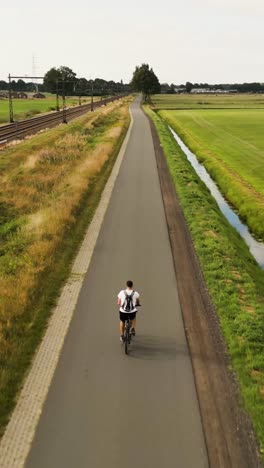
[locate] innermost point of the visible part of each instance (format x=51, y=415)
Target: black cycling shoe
x=133, y=331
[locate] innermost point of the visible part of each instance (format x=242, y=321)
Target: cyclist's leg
x=134, y=321
x=122, y=323
x=121, y=327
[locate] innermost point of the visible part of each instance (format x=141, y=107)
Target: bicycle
x=127, y=334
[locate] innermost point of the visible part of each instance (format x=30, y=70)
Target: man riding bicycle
x=128, y=300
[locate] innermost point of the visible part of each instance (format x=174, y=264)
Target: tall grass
x=234, y=280
x=50, y=187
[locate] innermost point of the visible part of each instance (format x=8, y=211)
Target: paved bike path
x=104, y=408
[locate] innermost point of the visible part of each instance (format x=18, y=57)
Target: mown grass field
x=234, y=280
x=230, y=144
x=50, y=187
x=25, y=108
x=207, y=101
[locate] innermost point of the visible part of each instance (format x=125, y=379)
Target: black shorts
x=125, y=315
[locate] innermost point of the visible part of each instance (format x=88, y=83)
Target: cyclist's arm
x=119, y=299
x=137, y=300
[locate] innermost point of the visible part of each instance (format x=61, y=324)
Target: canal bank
x=256, y=247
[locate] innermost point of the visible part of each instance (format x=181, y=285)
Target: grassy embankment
x=26, y=108
x=230, y=144
x=50, y=187
x=208, y=101
x=234, y=280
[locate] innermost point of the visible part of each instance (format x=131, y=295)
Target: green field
x=210, y=101
x=233, y=279
x=230, y=144
x=24, y=108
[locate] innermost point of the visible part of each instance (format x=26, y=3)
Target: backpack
x=128, y=304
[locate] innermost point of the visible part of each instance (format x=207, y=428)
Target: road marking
x=16, y=442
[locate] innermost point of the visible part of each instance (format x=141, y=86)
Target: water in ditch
x=256, y=248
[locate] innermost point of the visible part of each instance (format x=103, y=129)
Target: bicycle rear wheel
x=126, y=343
x=127, y=327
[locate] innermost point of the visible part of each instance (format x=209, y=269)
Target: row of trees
x=64, y=79
x=144, y=80
x=239, y=87
x=20, y=85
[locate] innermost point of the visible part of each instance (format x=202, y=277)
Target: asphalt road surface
x=105, y=409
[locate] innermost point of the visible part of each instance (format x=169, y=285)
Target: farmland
x=25, y=108
x=208, y=101
x=230, y=143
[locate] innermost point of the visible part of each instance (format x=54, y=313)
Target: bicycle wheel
x=126, y=343
x=126, y=337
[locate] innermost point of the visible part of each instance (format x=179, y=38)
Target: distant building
x=19, y=95
x=179, y=90
x=202, y=91
x=212, y=91
x=39, y=96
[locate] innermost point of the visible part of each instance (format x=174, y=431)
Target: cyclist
x=128, y=300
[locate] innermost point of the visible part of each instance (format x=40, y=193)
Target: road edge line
x=19, y=433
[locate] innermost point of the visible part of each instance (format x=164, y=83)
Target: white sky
x=191, y=40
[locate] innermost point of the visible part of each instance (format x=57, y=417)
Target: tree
x=189, y=87
x=51, y=78
x=21, y=85
x=3, y=85
x=145, y=81
x=60, y=74
x=70, y=79
x=82, y=86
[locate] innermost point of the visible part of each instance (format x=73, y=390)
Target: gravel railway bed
x=20, y=129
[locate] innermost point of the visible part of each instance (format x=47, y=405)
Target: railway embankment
x=50, y=187
x=22, y=128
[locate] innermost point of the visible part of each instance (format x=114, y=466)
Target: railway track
x=20, y=129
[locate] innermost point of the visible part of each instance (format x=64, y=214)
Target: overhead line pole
x=64, y=119
x=57, y=97
x=11, y=113
x=92, y=102
x=11, y=110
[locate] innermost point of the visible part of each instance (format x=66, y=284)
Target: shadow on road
x=156, y=348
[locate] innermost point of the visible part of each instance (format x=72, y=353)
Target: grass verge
x=51, y=187
x=234, y=280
